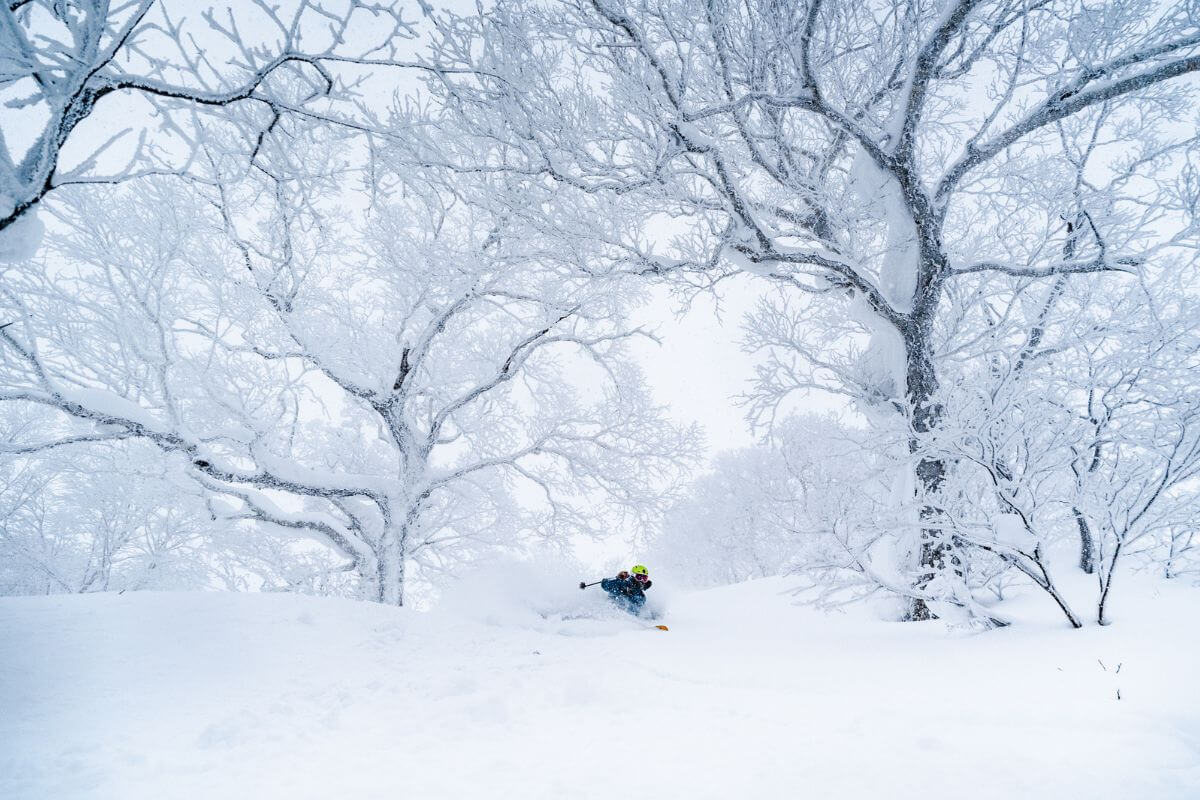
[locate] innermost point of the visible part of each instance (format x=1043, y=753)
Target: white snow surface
x=208, y=695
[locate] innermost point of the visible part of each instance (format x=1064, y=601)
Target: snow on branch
x=1099, y=264
x=90, y=51
x=258, y=507
x=28, y=448
x=1091, y=87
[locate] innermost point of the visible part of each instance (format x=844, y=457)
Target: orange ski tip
x=662, y=627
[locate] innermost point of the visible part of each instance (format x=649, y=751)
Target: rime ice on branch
x=64, y=62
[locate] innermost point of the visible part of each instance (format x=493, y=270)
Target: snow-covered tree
x=736, y=523
x=1179, y=552
x=1136, y=466
x=407, y=383
x=100, y=92
x=1076, y=430
x=1010, y=447
x=879, y=161
x=813, y=500
x=86, y=518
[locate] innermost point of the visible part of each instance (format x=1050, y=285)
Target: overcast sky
x=699, y=367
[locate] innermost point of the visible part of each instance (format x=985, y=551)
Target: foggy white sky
x=699, y=367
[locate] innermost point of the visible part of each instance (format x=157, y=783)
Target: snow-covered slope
x=268, y=696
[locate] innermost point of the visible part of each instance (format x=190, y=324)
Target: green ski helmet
x=640, y=570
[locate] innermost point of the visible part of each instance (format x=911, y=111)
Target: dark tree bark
x=1087, y=551
x=927, y=415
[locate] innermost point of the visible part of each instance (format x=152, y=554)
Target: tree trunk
x=931, y=472
x=1087, y=548
x=1074, y=621
x=932, y=559
x=1047, y=583
x=1174, y=550
x=390, y=570
x=1105, y=572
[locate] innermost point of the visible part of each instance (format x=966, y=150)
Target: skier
x=629, y=591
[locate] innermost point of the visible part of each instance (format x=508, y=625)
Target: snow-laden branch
x=1101, y=263
x=258, y=507
x=107, y=409
x=506, y=372
x=29, y=448
x=77, y=54
x=1091, y=87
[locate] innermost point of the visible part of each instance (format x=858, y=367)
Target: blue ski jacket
x=627, y=591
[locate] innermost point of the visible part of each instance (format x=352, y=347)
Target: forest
x=339, y=297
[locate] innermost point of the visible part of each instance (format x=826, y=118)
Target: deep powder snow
x=273, y=696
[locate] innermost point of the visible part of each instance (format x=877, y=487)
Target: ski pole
x=583, y=585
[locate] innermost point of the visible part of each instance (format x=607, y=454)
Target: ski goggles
x=641, y=578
